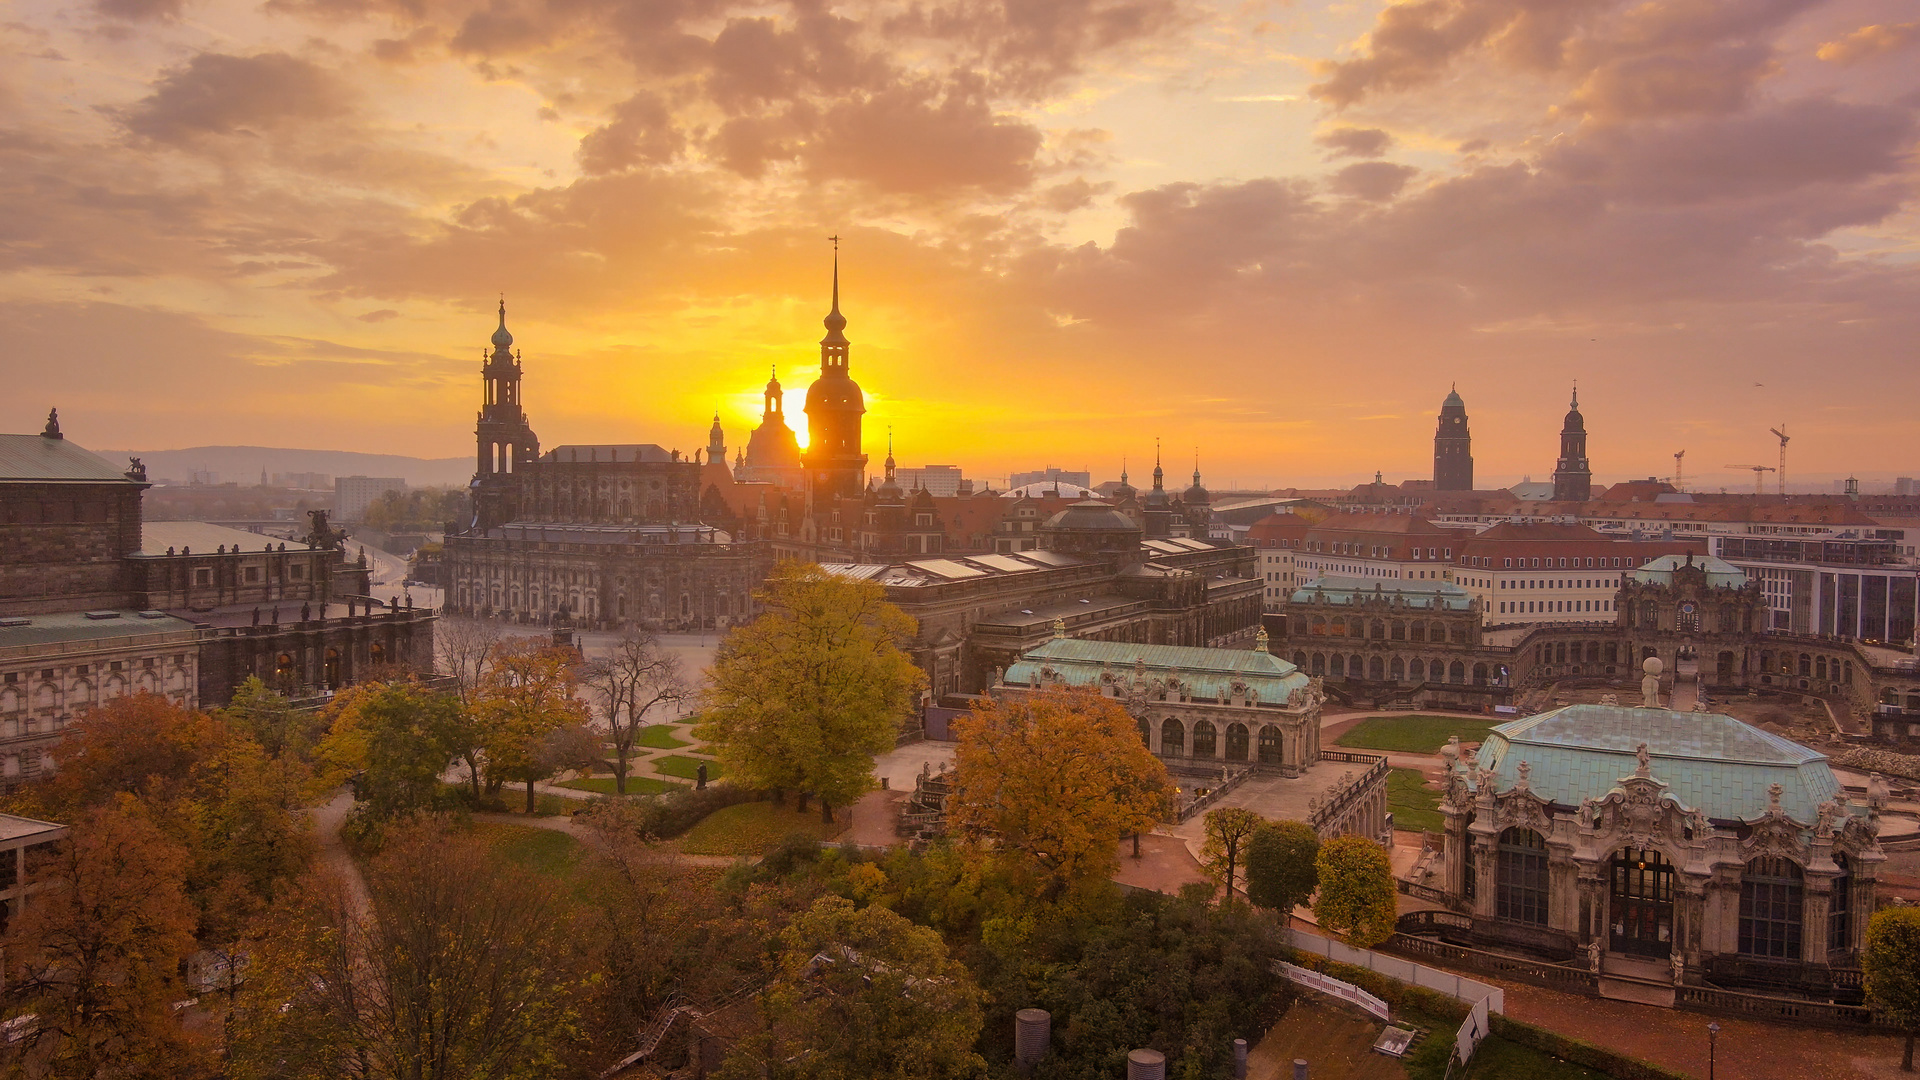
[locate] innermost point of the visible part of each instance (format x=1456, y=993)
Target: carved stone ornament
x=1645, y=759
x=1774, y=834
x=1638, y=809
x=1774, y=809
x=1522, y=783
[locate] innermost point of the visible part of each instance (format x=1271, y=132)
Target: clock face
x=1687, y=608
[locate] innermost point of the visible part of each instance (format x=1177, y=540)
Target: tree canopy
x=1052, y=781
x=1891, y=964
x=1228, y=830
x=806, y=695
x=862, y=992
x=1356, y=893
x=527, y=695
x=1281, y=870
x=634, y=677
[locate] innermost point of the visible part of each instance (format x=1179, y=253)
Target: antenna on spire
x=1576, y=395
x=836, y=270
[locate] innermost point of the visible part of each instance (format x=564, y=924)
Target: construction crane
x=1781, y=434
x=1679, y=476
x=1758, y=479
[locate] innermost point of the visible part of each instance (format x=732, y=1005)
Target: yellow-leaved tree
x=804, y=696
x=528, y=693
x=1050, y=783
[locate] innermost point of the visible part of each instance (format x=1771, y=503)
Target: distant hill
x=242, y=464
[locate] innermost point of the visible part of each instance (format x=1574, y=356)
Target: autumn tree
x=1356, y=896
x=268, y=718
x=1281, y=871
x=95, y=952
x=807, y=694
x=528, y=693
x=1051, y=782
x=460, y=969
x=462, y=649
x=635, y=677
x=862, y=992
x=391, y=742
x=1891, y=964
x=1228, y=830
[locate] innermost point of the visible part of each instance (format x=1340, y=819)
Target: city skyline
x=288, y=225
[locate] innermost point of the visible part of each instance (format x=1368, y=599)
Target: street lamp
x=1713, y=1039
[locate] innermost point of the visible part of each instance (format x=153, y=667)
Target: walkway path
x=327, y=819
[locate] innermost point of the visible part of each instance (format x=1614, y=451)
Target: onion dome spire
x=501, y=338
x=835, y=322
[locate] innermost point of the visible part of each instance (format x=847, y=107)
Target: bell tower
x=835, y=465
x=1453, y=447
x=505, y=441
x=1572, y=477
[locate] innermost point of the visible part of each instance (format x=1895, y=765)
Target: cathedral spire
x=835, y=322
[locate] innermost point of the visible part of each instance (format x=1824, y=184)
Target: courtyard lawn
x=544, y=851
x=636, y=785
x=1415, y=808
x=754, y=829
x=660, y=737
x=684, y=767
x=1415, y=733
x=1498, y=1059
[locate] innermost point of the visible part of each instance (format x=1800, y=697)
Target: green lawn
x=1415, y=808
x=660, y=737
x=1414, y=733
x=753, y=829
x=636, y=785
x=1497, y=1059
x=543, y=851
x=683, y=767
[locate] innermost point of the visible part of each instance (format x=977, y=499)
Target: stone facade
x=1709, y=846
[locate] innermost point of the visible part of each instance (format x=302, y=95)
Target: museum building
x=1726, y=854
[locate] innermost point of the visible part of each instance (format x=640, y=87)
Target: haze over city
x=288, y=224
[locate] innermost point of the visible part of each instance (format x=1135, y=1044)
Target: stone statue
x=1650, y=686
x=1645, y=759
x=1523, y=769
x=256, y=616
x=1774, y=791
x=1587, y=812
x=1877, y=794
x=1679, y=968
x=1593, y=956
x=306, y=613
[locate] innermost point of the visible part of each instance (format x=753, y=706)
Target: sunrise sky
x=1277, y=231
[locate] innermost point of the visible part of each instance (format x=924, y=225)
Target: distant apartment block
x=304, y=481
x=353, y=494
x=1049, y=475
x=941, y=481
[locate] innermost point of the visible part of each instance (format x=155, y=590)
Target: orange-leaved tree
x=528, y=693
x=1051, y=782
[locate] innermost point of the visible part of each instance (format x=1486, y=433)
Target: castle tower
x=505, y=440
x=834, y=407
x=1572, y=478
x=1453, y=447
x=716, y=442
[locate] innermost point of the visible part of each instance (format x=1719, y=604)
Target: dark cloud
x=1375, y=181
x=1354, y=142
x=641, y=132
x=140, y=10
x=218, y=94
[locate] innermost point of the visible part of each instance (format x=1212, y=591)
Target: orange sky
x=1275, y=231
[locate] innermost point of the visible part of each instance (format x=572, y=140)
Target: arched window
x=1770, y=901
x=1320, y=625
x=1479, y=674
x=1236, y=742
x=1399, y=669
x=1376, y=668
x=1146, y=733
x=1520, y=883
x=1270, y=745
x=1300, y=660
x=1339, y=668
x=1457, y=673
x=1417, y=632
x=1378, y=631
x=1398, y=632
x=1416, y=670
x=1203, y=741
x=1173, y=737
x=1319, y=663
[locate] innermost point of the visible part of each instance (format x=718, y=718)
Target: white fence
x=1327, y=984
x=1458, y=987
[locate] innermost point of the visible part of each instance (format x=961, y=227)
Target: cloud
x=140, y=10
x=219, y=94
x=641, y=133
x=379, y=316
x=1354, y=142
x=1869, y=42
x=1375, y=181
x=922, y=139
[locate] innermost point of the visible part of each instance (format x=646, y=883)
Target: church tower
x=1572, y=479
x=1156, y=510
x=1453, y=447
x=506, y=441
x=834, y=407
x=716, y=442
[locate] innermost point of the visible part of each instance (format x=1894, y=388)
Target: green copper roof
x=1206, y=673
x=1712, y=763
x=1720, y=573
x=1431, y=595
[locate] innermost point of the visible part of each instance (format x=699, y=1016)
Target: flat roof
x=16, y=630
x=14, y=827
x=203, y=538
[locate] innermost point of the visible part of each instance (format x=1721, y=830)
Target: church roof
x=1720, y=573
x=43, y=460
x=1712, y=763
x=1091, y=515
x=1206, y=673
x=1432, y=595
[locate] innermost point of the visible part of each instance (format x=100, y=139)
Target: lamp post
x=1713, y=1039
